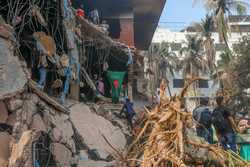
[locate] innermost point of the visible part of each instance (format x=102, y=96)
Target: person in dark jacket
x=203, y=117
x=129, y=112
x=224, y=125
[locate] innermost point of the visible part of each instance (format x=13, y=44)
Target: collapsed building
x=35, y=129
x=38, y=41
x=54, y=28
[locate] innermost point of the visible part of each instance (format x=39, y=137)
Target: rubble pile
x=111, y=113
x=101, y=135
x=34, y=128
x=167, y=138
x=29, y=115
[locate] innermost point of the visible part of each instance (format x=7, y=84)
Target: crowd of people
x=219, y=123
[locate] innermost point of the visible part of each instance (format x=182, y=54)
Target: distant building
x=240, y=25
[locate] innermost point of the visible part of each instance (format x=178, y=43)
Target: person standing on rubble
x=94, y=16
x=42, y=66
x=129, y=112
x=203, y=117
x=66, y=73
x=224, y=125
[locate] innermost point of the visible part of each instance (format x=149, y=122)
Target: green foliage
x=243, y=47
x=193, y=61
x=225, y=58
x=242, y=62
x=207, y=26
x=239, y=71
x=220, y=9
x=161, y=52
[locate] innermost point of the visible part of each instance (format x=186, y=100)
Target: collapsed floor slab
x=92, y=127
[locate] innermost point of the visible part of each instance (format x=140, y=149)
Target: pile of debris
x=103, y=133
x=167, y=138
x=35, y=129
x=25, y=119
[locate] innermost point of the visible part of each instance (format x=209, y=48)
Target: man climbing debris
x=46, y=48
x=203, y=116
x=129, y=112
x=66, y=73
x=42, y=66
x=94, y=16
x=224, y=125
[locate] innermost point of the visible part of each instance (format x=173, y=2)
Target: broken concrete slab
x=14, y=104
x=5, y=140
x=92, y=127
x=21, y=153
x=38, y=124
x=63, y=130
x=3, y=112
x=56, y=134
x=12, y=76
x=62, y=155
x=3, y=162
x=11, y=119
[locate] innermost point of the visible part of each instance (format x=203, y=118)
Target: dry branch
x=163, y=140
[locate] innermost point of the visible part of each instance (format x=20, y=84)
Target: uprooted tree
x=168, y=139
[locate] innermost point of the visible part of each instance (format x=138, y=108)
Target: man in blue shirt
x=129, y=112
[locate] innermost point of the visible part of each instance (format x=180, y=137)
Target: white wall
x=165, y=35
x=201, y=92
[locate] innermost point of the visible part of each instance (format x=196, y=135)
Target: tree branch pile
x=165, y=139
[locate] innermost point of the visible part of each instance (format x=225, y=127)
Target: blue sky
x=180, y=13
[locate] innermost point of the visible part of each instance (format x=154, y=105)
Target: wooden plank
x=33, y=86
x=88, y=79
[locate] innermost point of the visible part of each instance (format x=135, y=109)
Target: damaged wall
x=12, y=77
x=28, y=114
x=31, y=113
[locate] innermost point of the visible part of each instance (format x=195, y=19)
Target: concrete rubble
x=26, y=116
x=12, y=76
x=36, y=130
x=36, y=116
x=29, y=117
x=93, y=127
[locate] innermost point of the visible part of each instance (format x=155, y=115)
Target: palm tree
x=206, y=27
x=220, y=9
x=225, y=58
x=167, y=60
x=193, y=61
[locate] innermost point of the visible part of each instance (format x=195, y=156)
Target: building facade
x=132, y=22
x=240, y=26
